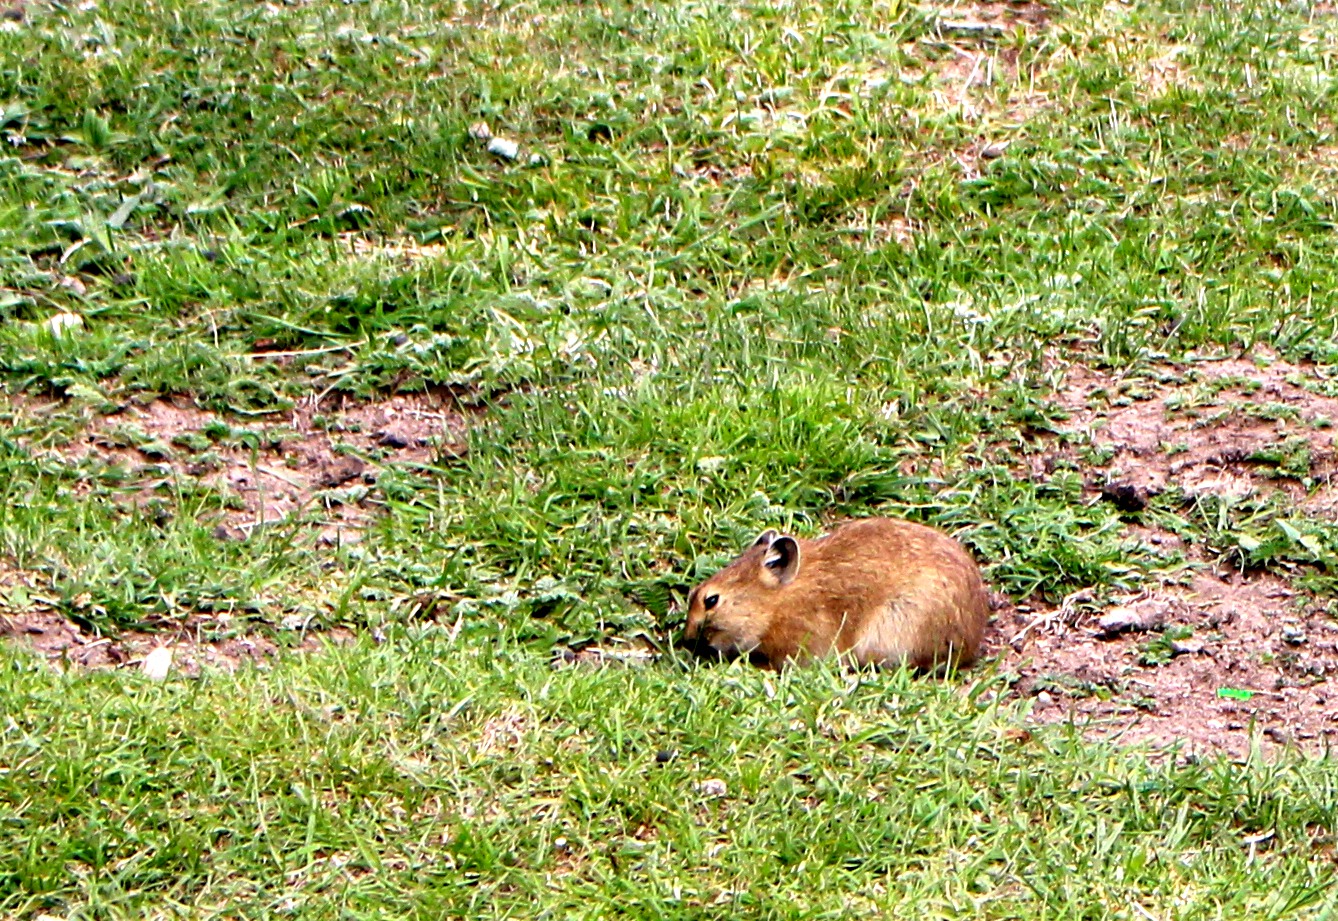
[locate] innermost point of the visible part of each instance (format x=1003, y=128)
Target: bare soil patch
x=1230, y=658
x=991, y=16
x=1259, y=664
x=1230, y=428
x=1159, y=74
x=200, y=642
x=316, y=467
x=193, y=648
x=987, y=85
x=976, y=70
x=318, y=463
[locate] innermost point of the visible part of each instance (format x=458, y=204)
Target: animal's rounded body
x=879, y=590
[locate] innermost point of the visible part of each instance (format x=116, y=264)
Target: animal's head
x=730, y=612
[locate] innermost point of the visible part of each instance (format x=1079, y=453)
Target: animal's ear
x=765, y=538
x=782, y=560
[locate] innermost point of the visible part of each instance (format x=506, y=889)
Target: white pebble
x=715, y=787
x=501, y=147
x=62, y=323
x=158, y=663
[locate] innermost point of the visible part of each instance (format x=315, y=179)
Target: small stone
x=969, y=27
x=994, y=151
x=1125, y=496
x=340, y=472
x=1187, y=647
x=1292, y=634
x=1124, y=619
x=714, y=787
x=392, y=438
x=480, y=131
x=664, y=756
x=158, y=663
x=1044, y=699
x=62, y=323
x=501, y=147
x=562, y=846
x=337, y=537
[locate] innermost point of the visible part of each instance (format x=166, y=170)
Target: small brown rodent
x=879, y=590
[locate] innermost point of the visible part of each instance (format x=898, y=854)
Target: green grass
x=412, y=780
x=755, y=275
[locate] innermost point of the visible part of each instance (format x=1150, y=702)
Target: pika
x=879, y=590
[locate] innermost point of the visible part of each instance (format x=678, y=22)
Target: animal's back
x=885, y=591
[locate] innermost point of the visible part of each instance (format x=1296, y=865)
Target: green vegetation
x=758, y=264
x=412, y=780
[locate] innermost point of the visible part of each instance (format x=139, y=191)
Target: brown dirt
x=992, y=16
x=1164, y=71
x=1249, y=634
x=319, y=463
x=316, y=466
x=194, y=647
x=1230, y=428
x=974, y=72
x=201, y=641
x=1198, y=429
x=988, y=87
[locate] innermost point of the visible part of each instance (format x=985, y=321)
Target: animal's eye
x=710, y=601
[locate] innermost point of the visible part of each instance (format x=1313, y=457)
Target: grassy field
x=755, y=265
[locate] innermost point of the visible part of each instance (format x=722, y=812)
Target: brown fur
x=881, y=590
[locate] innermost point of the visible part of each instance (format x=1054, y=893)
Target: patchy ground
x=317, y=466
x=1230, y=654
x=1212, y=661
x=1205, y=666
x=319, y=463
x=202, y=643
x=1231, y=429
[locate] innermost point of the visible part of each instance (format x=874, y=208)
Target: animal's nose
x=709, y=644
x=696, y=627
x=695, y=640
